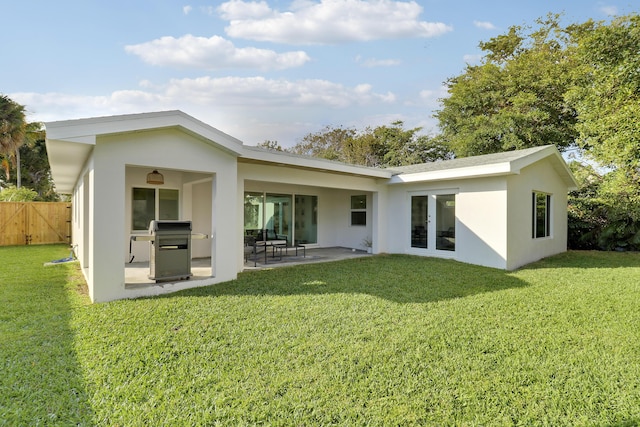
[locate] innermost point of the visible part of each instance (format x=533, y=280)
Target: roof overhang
x=255, y=155
x=70, y=142
x=457, y=173
x=509, y=167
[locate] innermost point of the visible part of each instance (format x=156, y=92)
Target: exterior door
x=433, y=222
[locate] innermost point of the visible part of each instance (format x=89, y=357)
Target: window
x=359, y=210
x=145, y=209
x=541, y=224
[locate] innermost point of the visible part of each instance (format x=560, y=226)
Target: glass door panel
x=419, y=221
x=306, y=219
x=279, y=216
x=253, y=213
x=445, y=222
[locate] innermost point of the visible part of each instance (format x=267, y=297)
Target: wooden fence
x=34, y=223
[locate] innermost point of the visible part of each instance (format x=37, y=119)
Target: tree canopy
x=382, y=146
x=12, y=131
x=575, y=87
x=515, y=98
x=23, y=155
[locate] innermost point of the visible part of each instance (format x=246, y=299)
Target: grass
x=379, y=341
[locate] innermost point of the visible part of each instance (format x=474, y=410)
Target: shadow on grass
x=399, y=278
x=41, y=381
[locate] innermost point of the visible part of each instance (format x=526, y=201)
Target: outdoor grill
x=170, y=250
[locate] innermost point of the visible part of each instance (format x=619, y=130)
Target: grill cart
x=170, y=250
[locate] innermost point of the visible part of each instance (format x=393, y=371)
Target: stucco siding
x=481, y=209
x=481, y=222
x=179, y=156
x=522, y=247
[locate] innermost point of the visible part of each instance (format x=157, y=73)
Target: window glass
x=541, y=224
x=359, y=202
x=419, y=221
x=306, y=219
x=169, y=206
x=278, y=218
x=358, y=218
x=144, y=207
x=446, y=222
x=359, y=210
x=253, y=213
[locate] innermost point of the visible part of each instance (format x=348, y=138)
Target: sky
x=257, y=70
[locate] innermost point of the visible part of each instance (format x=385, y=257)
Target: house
x=500, y=210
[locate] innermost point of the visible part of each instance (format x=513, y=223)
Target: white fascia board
x=449, y=174
x=76, y=130
x=279, y=158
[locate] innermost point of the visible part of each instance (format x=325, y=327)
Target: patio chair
x=250, y=248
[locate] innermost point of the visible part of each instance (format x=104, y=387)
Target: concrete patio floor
x=136, y=273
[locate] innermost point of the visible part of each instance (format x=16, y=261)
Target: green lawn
x=377, y=341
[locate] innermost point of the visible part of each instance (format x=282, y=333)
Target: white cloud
x=259, y=91
x=472, y=59
x=485, y=25
x=328, y=22
x=239, y=10
x=609, y=10
x=187, y=9
x=252, y=109
x=212, y=53
x=373, y=62
x=428, y=98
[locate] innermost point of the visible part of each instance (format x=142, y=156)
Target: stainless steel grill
x=170, y=250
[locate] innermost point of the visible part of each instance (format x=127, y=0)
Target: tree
x=34, y=164
x=515, y=98
x=607, y=94
x=327, y=143
x=12, y=131
x=14, y=194
x=574, y=86
x=383, y=146
x=606, y=97
x=270, y=145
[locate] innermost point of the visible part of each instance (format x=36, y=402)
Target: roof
x=70, y=142
x=506, y=163
x=282, y=158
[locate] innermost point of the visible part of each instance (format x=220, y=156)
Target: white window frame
x=156, y=205
x=353, y=210
x=548, y=204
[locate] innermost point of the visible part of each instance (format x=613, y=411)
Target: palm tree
x=12, y=131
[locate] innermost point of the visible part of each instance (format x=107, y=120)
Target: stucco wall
x=522, y=247
x=168, y=150
x=481, y=223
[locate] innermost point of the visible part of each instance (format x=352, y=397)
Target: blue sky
x=257, y=70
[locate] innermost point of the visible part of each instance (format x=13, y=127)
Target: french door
x=433, y=221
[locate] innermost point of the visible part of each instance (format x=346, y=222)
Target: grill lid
x=166, y=225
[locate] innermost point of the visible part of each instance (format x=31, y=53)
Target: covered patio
x=137, y=273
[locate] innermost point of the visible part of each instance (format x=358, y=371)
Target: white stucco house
x=500, y=210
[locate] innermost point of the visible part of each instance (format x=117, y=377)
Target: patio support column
x=379, y=220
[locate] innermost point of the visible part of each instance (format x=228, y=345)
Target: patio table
x=276, y=246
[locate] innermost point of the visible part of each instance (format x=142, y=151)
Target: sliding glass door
x=306, y=219
x=278, y=216
x=433, y=221
x=281, y=217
